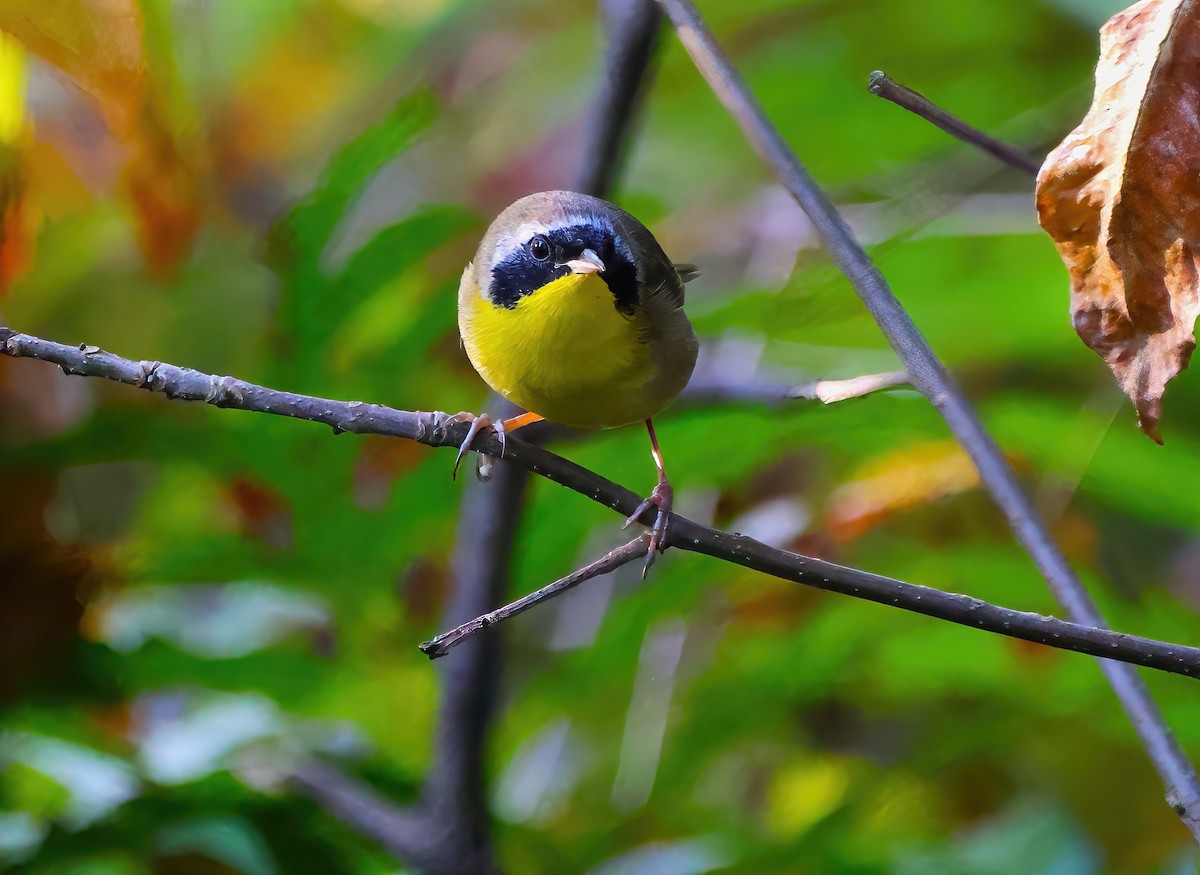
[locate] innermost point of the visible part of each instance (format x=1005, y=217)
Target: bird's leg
x=501, y=427
x=662, y=498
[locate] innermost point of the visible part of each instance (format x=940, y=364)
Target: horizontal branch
x=884, y=86
x=441, y=430
x=704, y=390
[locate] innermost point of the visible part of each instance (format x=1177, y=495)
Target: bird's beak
x=587, y=262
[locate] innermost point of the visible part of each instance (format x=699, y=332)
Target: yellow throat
x=564, y=351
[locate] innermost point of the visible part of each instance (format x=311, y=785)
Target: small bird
x=572, y=311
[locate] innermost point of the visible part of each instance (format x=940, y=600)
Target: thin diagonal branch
x=438, y=429
x=614, y=559
x=953, y=607
x=884, y=86
x=930, y=377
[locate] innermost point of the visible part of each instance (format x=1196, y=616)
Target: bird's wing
x=662, y=280
x=687, y=272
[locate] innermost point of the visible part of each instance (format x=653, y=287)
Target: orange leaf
x=1121, y=199
x=899, y=480
x=99, y=45
x=17, y=231
x=260, y=511
x=162, y=190
x=16, y=239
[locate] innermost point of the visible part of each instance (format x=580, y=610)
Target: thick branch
x=882, y=85
x=633, y=28
x=440, y=430
x=454, y=796
x=930, y=377
x=405, y=834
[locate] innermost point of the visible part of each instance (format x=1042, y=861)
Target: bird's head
x=546, y=237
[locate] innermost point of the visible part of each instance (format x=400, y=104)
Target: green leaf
x=396, y=248
x=311, y=223
x=299, y=241
x=230, y=841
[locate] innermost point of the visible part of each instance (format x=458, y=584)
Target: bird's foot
x=663, y=497
x=484, y=468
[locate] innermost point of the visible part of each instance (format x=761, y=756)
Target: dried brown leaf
x=1121, y=198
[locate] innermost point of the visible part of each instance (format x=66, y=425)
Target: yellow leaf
x=16, y=231
x=803, y=793
x=13, y=122
x=901, y=479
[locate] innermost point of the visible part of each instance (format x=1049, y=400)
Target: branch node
x=433, y=649
x=147, y=372
x=1175, y=802
x=223, y=392
x=431, y=427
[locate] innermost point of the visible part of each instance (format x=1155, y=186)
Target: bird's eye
x=539, y=248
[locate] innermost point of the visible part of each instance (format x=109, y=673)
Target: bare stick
x=441, y=430
x=831, y=391
x=882, y=85
x=447, y=641
x=930, y=377
x=705, y=390
x=702, y=390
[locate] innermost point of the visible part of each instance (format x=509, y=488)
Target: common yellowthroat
x=572, y=311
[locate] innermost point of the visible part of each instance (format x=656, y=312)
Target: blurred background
x=193, y=600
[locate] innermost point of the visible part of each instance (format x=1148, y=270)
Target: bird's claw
x=663, y=497
x=484, y=469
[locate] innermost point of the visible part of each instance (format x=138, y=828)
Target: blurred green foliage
x=191, y=594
